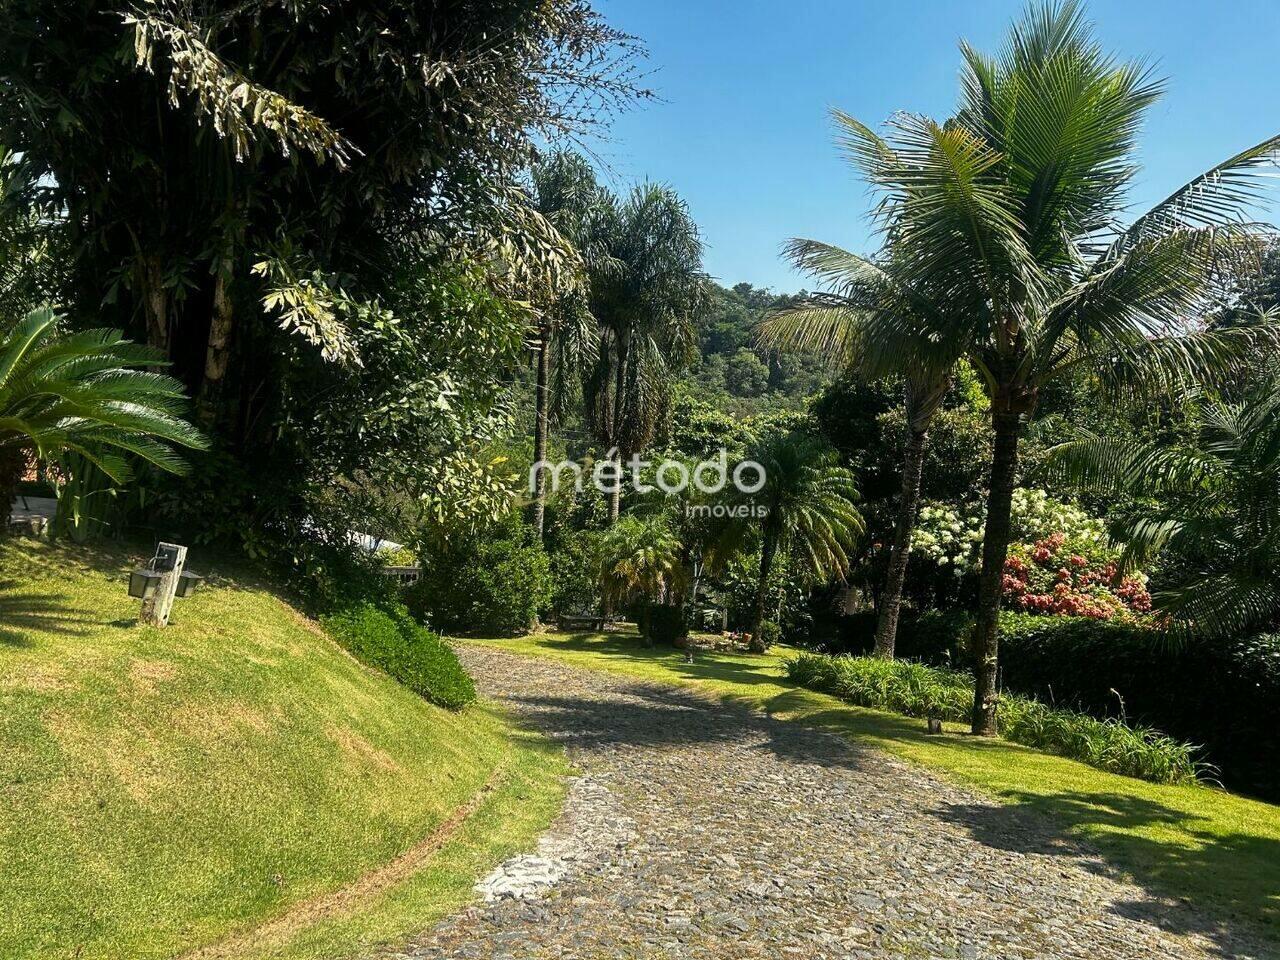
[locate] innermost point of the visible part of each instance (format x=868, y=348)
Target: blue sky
x=743, y=132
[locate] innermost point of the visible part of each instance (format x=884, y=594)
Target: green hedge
x=1220, y=695
x=1223, y=695
x=395, y=644
x=921, y=691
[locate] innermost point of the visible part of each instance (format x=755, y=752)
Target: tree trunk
x=619, y=402
x=156, y=303
x=767, y=551
x=891, y=601
x=218, y=352
x=13, y=463
x=995, y=547
x=540, y=422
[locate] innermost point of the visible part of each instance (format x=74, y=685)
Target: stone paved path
x=700, y=830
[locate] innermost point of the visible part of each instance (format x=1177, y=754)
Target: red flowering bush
x=1048, y=577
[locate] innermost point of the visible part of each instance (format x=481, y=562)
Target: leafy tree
x=810, y=516
x=745, y=374
x=1008, y=248
x=261, y=190
x=85, y=393
x=1210, y=509
x=644, y=303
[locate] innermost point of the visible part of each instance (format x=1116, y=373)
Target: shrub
x=575, y=574
x=664, y=624
x=1051, y=577
x=392, y=642
x=1060, y=560
x=938, y=637
x=921, y=691
x=1218, y=694
x=496, y=582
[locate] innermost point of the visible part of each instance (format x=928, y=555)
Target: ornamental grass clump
x=917, y=690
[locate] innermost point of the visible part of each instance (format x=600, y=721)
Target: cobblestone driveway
x=700, y=830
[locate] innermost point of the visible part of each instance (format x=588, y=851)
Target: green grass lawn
x=1200, y=844
x=167, y=790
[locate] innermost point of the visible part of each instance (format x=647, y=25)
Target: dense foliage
x=392, y=642
x=495, y=581
x=921, y=691
x=313, y=212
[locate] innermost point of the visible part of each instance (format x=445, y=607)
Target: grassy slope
x=160, y=790
x=1216, y=849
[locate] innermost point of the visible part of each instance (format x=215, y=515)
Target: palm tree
x=831, y=324
x=1005, y=224
x=644, y=303
x=641, y=560
x=1212, y=509
x=809, y=513
x=83, y=393
x=564, y=191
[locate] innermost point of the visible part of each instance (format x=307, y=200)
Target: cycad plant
x=1210, y=509
x=1006, y=231
x=641, y=562
x=809, y=514
x=86, y=393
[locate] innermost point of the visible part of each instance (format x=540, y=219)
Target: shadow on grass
x=1238, y=867
x=24, y=612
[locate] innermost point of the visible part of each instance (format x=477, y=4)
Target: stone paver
x=700, y=830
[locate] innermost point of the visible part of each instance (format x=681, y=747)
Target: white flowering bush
x=951, y=536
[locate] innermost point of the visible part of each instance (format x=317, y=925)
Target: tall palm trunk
x=995, y=548
x=922, y=397
x=542, y=395
x=891, y=603
x=767, y=551
x=619, y=403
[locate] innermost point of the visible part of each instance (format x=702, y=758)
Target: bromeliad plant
x=87, y=393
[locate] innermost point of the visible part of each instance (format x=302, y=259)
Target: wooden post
x=170, y=559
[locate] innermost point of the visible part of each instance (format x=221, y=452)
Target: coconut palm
x=810, y=517
x=84, y=393
x=644, y=303
x=1212, y=508
x=831, y=324
x=564, y=191
x=1005, y=228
